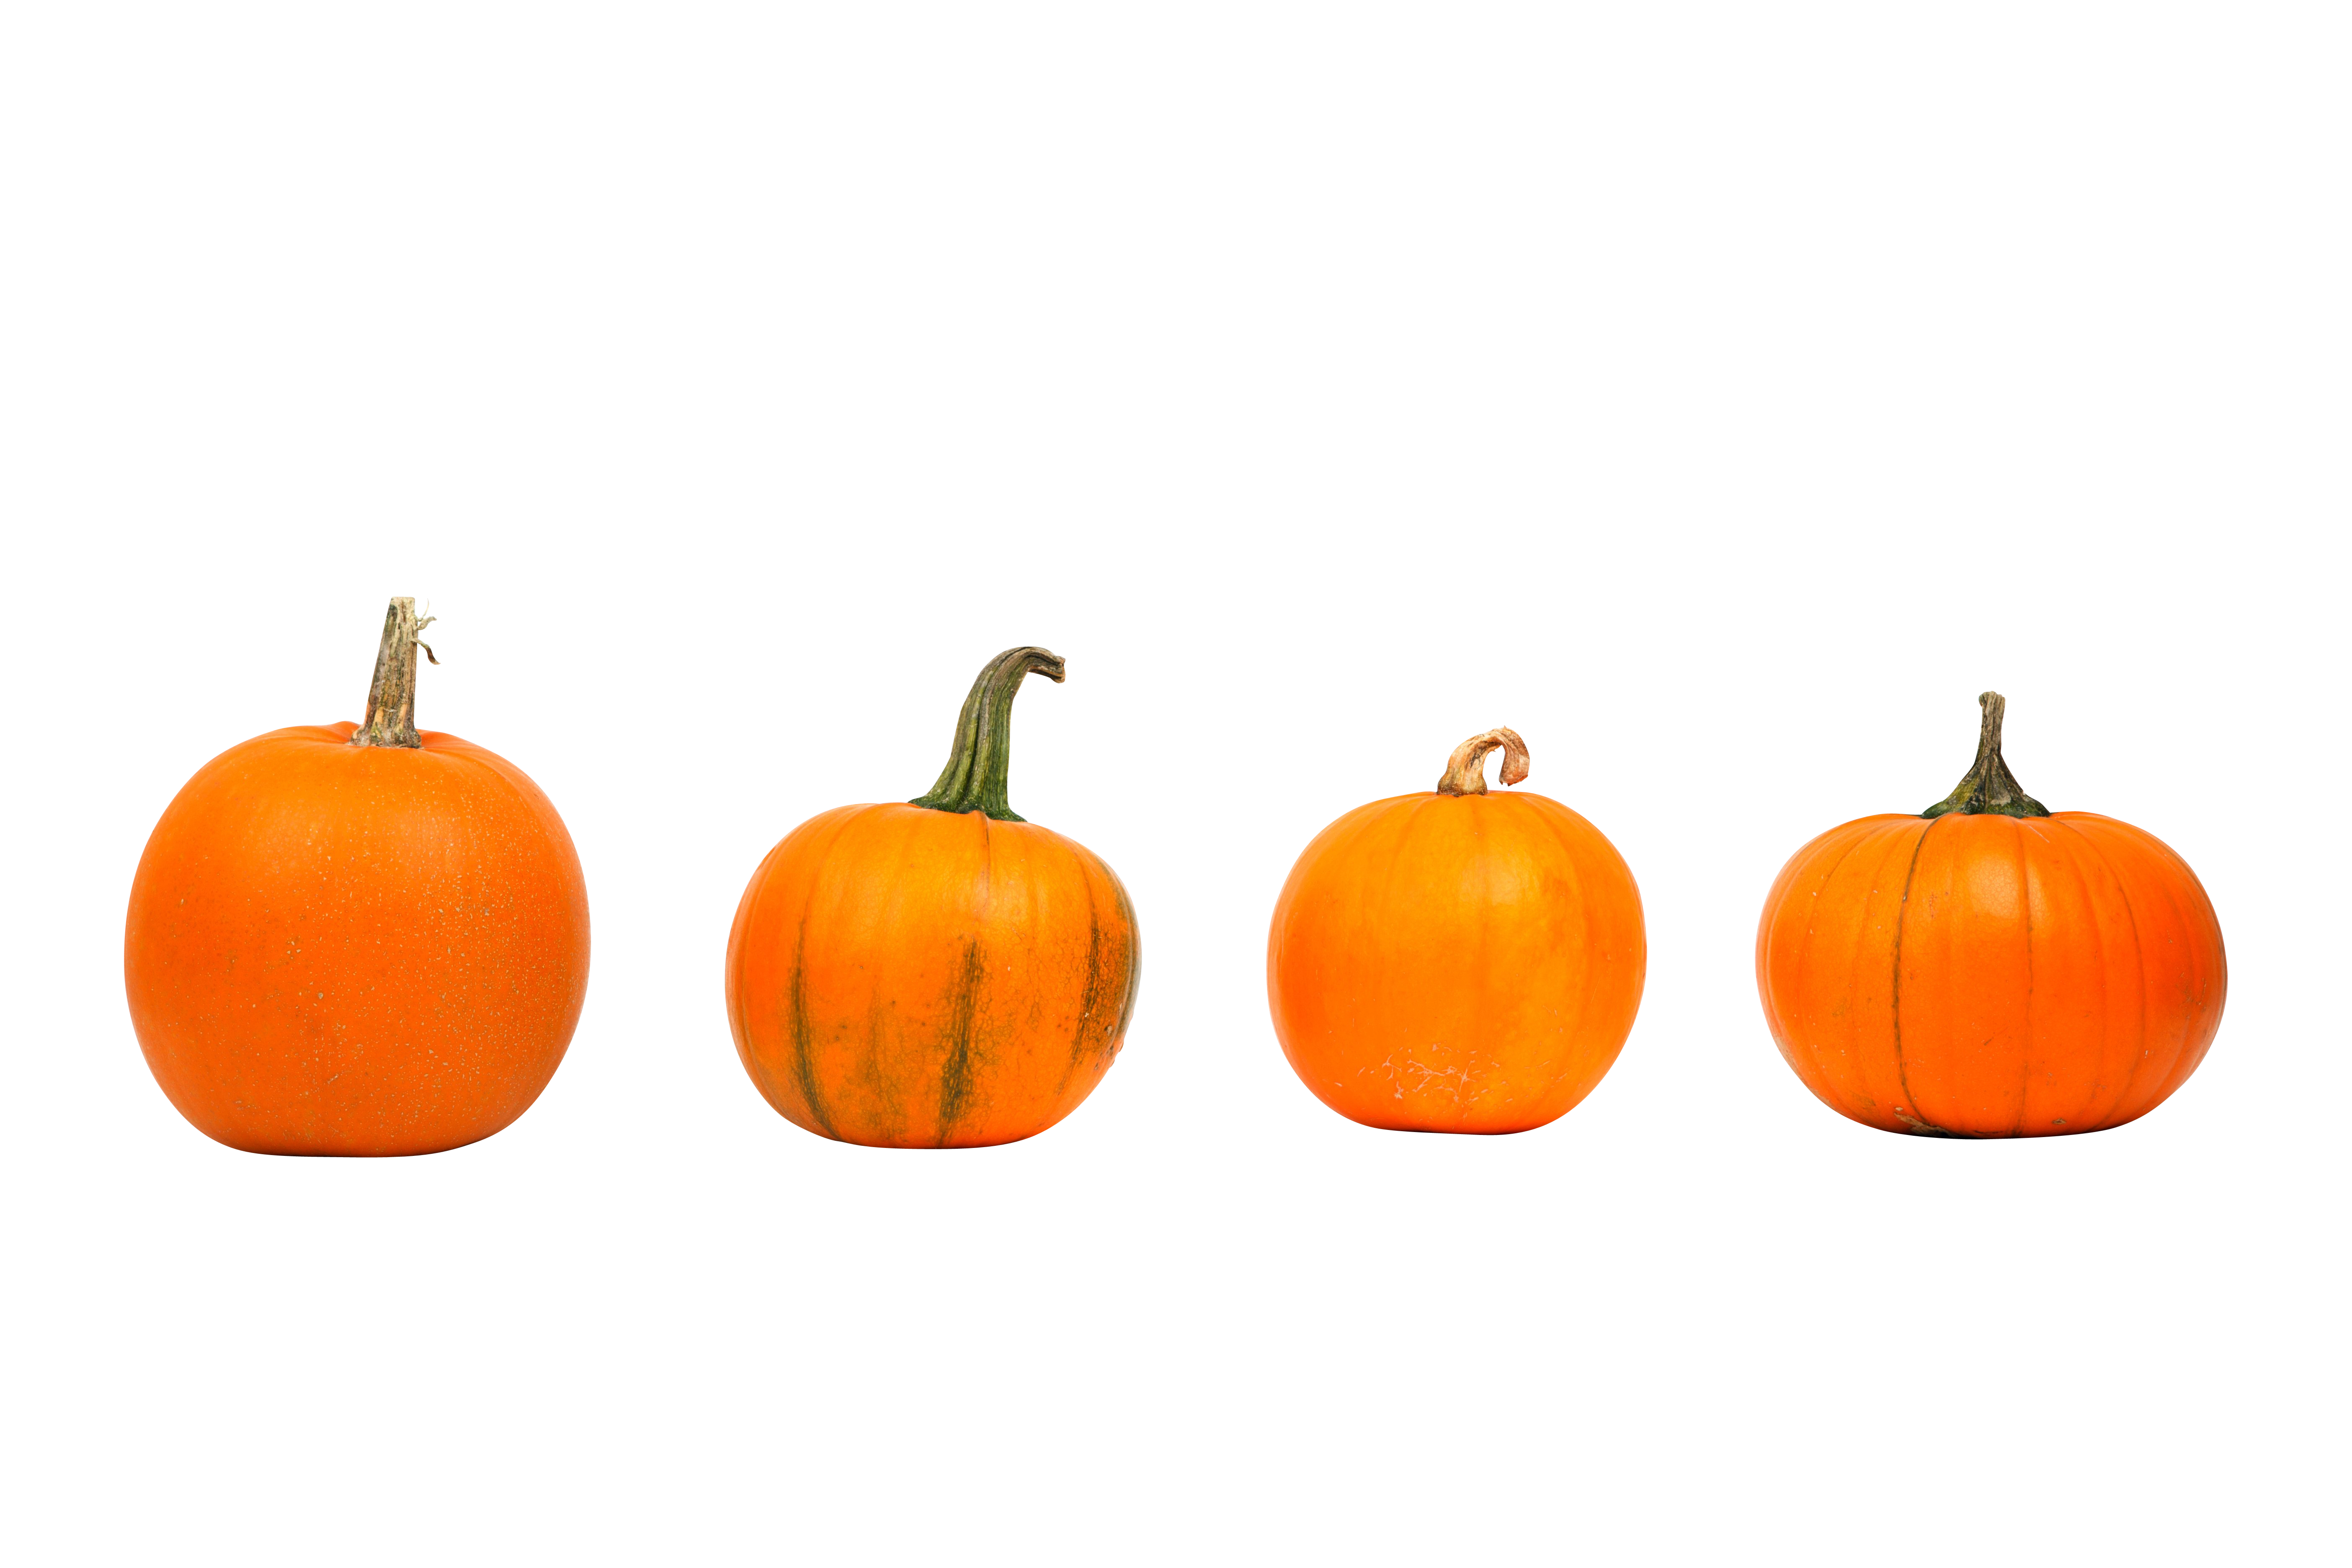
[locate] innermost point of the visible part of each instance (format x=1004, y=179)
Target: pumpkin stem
x=974, y=778
x=1465, y=769
x=391, y=716
x=1989, y=788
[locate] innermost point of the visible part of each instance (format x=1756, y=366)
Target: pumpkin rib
x=1806, y=1063
x=1089, y=998
x=1131, y=959
x=1558, y=821
x=802, y=1032
x=2195, y=1040
x=2025, y=905
x=2122, y=1111
x=956, y=1072
x=2099, y=944
x=1895, y=995
x=1888, y=846
x=2188, y=1016
x=1572, y=854
x=2151, y=859
x=1373, y=908
x=2096, y=1108
x=1099, y=1025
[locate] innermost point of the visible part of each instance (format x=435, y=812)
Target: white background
x=1721, y=398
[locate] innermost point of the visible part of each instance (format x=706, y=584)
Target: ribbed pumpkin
x=940, y=973
x=1989, y=968
x=1457, y=962
x=357, y=938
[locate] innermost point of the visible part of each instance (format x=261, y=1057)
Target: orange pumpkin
x=1989, y=968
x=1457, y=962
x=940, y=973
x=357, y=938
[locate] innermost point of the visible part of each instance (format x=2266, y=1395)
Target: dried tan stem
x=1465, y=769
x=390, y=719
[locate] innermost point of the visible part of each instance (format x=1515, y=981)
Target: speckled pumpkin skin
x=340, y=950
x=1456, y=963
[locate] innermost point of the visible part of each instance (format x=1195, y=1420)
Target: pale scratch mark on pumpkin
x=1453, y=1080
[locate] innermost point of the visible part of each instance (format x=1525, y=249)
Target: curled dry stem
x=1465, y=769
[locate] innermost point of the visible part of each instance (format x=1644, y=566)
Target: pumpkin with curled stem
x=1988, y=968
x=357, y=938
x=939, y=974
x=1457, y=961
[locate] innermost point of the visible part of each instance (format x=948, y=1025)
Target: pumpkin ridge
x=1556, y=824
x=2025, y=1055
x=1895, y=1009
x=804, y=1046
x=1389, y=903
x=804, y=1070
x=2184, y=923
x=1813, y=911
x=2122, y=1111
x=880, y=1065
x=2160, y=852
x=956, y=1074
x=1134, y=962
x=1847, y=1000
x=1090, y=994
x=2087, y=1111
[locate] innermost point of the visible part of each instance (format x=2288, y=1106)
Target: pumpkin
x=1457, y=962
x=939, y=974
x=357, y=938
x=1990, y=968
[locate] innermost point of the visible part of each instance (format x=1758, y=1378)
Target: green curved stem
x=1990, y=789
x=974, y=778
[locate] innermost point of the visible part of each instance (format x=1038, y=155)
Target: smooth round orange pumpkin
x=1457, y=962
x=938, y=974
x=357, y=938
x=1988, y=968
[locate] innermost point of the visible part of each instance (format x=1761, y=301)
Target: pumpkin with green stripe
x=939, y=974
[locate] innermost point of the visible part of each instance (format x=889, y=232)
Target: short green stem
x=974, y=778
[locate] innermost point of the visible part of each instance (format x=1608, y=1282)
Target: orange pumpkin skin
x=1456, y=962
x=1990, y=976
x=356, y=950
x=907, y=977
